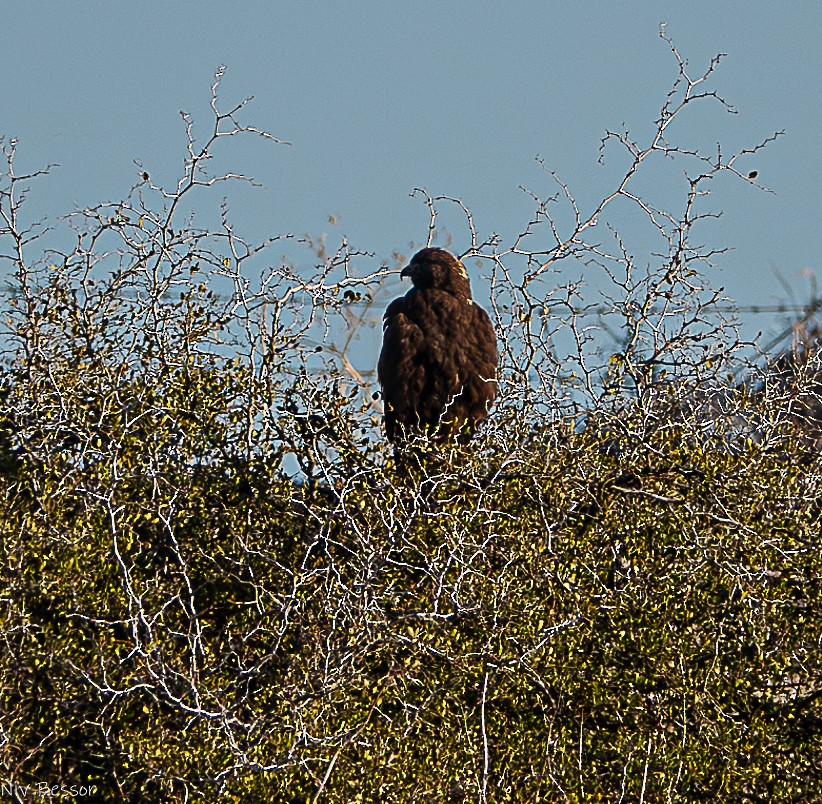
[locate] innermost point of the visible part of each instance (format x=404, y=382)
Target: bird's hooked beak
x=408, y=272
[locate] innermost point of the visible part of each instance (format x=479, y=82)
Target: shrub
x=217, y=583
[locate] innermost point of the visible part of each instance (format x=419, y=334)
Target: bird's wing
x=394, y=309
x=400, y=370
x=486, y=337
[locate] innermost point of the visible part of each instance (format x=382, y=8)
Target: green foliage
x=588, y=615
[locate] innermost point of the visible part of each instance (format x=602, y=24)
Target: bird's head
x=438, y=269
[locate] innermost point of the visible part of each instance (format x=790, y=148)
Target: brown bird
x=438, y=363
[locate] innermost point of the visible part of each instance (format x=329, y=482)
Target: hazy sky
x=457, y=97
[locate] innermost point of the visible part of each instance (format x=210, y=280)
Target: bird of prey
x=438, y=364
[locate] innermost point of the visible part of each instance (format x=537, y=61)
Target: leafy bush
x=218, y=584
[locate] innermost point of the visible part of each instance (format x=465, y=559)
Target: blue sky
x=457, y=97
